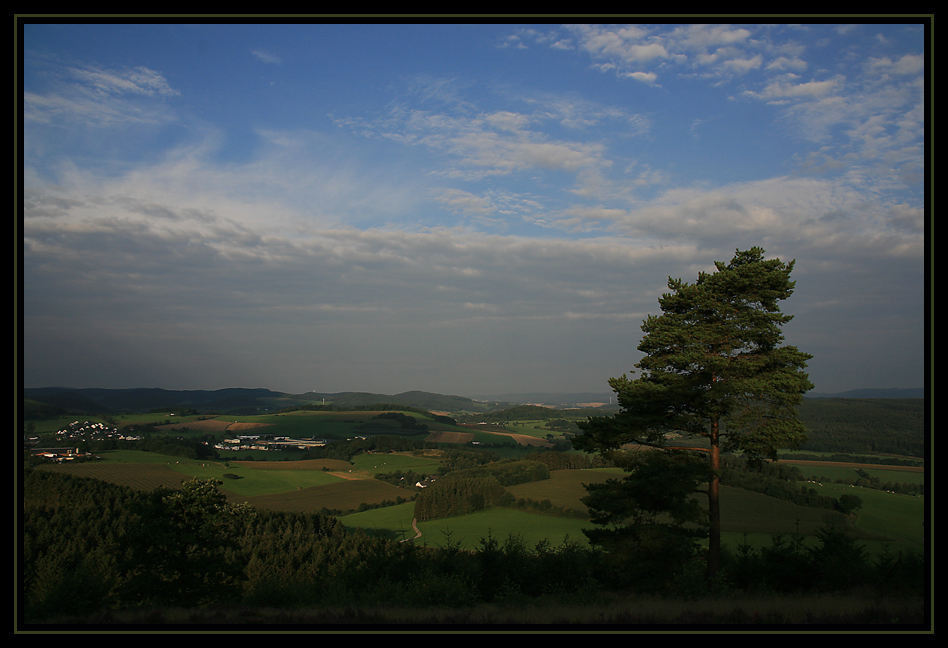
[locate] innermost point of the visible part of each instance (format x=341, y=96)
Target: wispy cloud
x=99, y=97
x=266, y=57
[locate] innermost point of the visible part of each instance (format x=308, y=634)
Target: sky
x=470, y=209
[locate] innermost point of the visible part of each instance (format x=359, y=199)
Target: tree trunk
x=714, y=507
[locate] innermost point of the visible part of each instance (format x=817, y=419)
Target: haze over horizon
x=459, y=208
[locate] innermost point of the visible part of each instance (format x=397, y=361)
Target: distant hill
x=106, y=401
x=554, y=399
x=250, y=401
x=425, y=400
x=230, y=401
x=918, y=392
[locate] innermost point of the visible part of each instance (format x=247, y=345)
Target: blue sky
x=460, y=208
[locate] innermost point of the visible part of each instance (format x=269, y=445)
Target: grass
x=532, y=528
x=396, y=519
x=898, y=518
x=372, y=464
x=565, y=487
x=468, y=530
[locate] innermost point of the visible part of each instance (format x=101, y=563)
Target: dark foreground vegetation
x=98, y=554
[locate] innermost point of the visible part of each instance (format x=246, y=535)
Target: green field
x=123, y=467
x=379, y=463
x=885, y=519
x=467, y=531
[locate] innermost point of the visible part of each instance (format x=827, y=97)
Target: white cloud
x=781, y=90
x=645, y=77
x=121, y=106
x=138, y=80
x=629, y=43
x=908, y=64
x=266, y=57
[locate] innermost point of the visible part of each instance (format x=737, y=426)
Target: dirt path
x=414, y=525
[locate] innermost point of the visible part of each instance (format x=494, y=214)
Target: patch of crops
x=346, y=495
x=146, y=477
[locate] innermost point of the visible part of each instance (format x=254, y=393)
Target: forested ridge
x=855, y=425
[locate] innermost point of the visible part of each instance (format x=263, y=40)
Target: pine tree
x=714, y=368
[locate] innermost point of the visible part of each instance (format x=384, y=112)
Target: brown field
x=450, y=437
x=523, y=439
x=306, y=464
x=214, y=425
x=564, y=488
x=345, y=496
x=143, y=476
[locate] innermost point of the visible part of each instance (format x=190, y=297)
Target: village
x=76, y=431
x=260, y=442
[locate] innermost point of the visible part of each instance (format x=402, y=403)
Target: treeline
x=865, y=480
x=371, y=407
x=90, y=548
x=518, y=413
x=848, y=458
x=780, y=481
x=566, y=460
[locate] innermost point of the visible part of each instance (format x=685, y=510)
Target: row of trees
x=784, y=482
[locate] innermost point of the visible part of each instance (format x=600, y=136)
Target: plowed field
x=450, y=437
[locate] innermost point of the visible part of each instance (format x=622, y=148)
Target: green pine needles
x=715, y=369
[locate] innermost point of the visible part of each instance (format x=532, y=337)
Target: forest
x=858, y=425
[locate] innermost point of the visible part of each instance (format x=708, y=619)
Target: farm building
x=57, y=454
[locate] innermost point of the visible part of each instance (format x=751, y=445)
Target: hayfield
x=307, y=485
x=214, y=426
x=564, y=488
x=496, y=434
x=367, y=465
x=145, y=476
x=344, y=495
x=444, y=436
